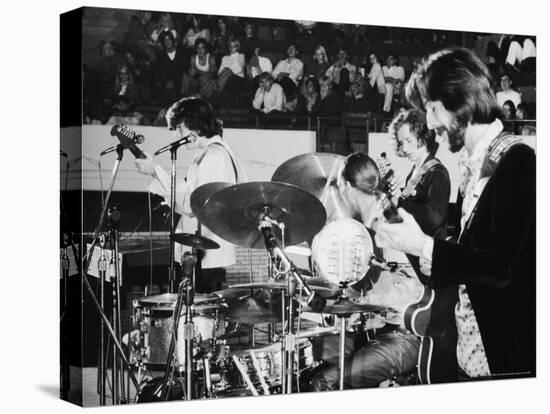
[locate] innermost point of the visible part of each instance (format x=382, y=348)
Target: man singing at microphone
x=214, y=161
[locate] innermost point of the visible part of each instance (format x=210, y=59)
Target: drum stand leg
x=341, y=363
x=65, y=363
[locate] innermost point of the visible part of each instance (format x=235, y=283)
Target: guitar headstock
x=128, y=139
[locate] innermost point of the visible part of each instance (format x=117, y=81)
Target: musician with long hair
x=214, y=160
x=493, y=261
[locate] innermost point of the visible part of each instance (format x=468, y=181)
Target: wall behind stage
x=379, y=142
x=261, y=151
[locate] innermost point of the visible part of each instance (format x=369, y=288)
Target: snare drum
x=154, y=316
x=267, y=365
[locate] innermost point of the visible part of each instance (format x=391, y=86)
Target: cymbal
x=316, y=173
x=196, y=241
x=322, y=288
x=170, y=299
x=201, y=194
x=343, y=307
x=233, y=213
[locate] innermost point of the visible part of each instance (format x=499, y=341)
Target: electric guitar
x=432, y=318
x=128, y=139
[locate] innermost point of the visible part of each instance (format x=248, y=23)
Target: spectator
x=172, y=63
x=520, y=50
x=332, y=104
x=232, y=69
x=202, y=70
x=125, y=85
x=257, y=65
x=220, y=38
x=196, y=30
x=269, y=97
x=320, y=63
x=107, y=68
x=522, y=111
x=123, y=112
x=393, y=74
x=507, y=93
x=509, y=110
x=289, y=71
x=359, y=96
x=249, y=42
x=312, y=96
x=377, y=81
x=165, y=24
x=342, y=72
x=143, y=75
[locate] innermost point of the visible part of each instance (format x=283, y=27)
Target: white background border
x=29, y=266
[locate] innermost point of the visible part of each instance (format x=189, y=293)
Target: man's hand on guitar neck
x=406, y=236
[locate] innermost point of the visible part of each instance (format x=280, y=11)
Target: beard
x=454, y=136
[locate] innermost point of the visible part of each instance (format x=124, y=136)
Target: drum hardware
x=65, y=363
x=102, y=366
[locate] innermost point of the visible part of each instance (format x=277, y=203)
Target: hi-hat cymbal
x=343, y=307
x=201, y=194
x=316, y=173
x=196, y=241
x=234, y=213
x=170, y=299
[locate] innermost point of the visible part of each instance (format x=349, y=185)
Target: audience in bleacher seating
x=522, y=111
x=312, y=96
x=289, y=71
x=197, y=28
x=332, y=103
x=521, y=49
x=393, y=74
x=509, y=110
x=172, y=63
x=200, y=79
x=377, y=81
x=232, y=69
x=166, y=56
x=165, y=24
x=342, y=72
x=257, y=64
x=269, y=97
x=249, y=41
x=320, y=63
x=220, y=38
x=507, y=93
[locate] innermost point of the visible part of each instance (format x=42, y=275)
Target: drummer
x=214, y=161
x=393, y=351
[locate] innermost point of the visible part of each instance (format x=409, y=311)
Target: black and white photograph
x=264, y=209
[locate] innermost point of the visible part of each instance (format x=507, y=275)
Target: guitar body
x=432, y=318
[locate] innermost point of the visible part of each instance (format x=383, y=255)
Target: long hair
x=323, y=51
x=197, y=115
x=416, y=120
x=362, y=172
x=461, y=81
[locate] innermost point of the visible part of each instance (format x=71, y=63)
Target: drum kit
x=187, y=334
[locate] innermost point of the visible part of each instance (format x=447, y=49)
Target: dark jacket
x=496, y=260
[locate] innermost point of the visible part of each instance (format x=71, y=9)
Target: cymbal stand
x=185, y=291
x=87, y=262
x=343, y=321
x=172, y=250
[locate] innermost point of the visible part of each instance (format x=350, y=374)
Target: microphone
x=174, y=145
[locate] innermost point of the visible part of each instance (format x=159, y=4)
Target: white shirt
x=395, y=72
x=470, y=350
x=265, y=66
x=294, y=68
x=509, y=95
x=334, y=72
x=273, y=100
x=376, y=76
x=210, y=164
x=235, y=62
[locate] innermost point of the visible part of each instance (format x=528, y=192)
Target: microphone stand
x=314, y=301
x=64, y=326
x=172, y=251
x=86, y=266
x=102, y=366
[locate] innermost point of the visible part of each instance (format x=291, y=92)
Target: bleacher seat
x=528, y=94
